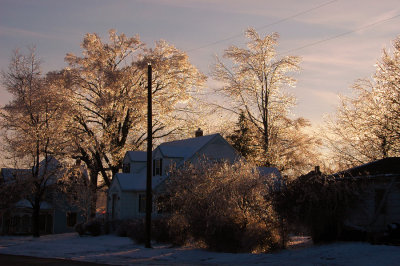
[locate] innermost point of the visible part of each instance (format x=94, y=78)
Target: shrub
x=122, y=227
x=135, y=229
x=178, y=229
x=160, y=231
x=223, y=235
x=225, y=206
x=94, y=227
x=80, y=228
x=319, y=203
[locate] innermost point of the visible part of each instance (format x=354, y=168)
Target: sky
x=339, y=41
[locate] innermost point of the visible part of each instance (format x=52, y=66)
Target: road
x=18, y=260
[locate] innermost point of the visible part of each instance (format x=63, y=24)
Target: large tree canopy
x=255, y=80
x=108, y=87
x=366, y=126
x=33, y=123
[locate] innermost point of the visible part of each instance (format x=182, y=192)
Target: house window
x=157, y=167
x=126, y=168
x=71, y=219
x=142, y=203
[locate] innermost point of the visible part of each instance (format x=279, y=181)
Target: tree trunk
x=36, y=218
x=267, y=159
x=93, y=184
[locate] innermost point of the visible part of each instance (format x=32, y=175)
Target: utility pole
x=149, y=200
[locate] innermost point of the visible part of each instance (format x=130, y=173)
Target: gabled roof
x=10, y=174
x=390, y=165
x=269, y=171
x=185, y=148
x=127, y=182
x=137, y=156
x=44, y=205
x=275, y=175
x=51, y=169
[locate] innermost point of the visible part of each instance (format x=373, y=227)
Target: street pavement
x=18, y=260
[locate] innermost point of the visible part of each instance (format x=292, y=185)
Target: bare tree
x=33, y=127
x=108, y=87
x=255, y=82
x=75, y=187
x=366, y=125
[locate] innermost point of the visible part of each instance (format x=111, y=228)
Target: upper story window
x=126, y=168
x=157, y=167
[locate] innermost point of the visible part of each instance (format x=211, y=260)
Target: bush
x=134, y=229
x=160, y=231
x=259, y=239
x=319, y=203
x=226, y=207
x=94, y=227
x=223, y=236
x=164, y=230
x=178, y=229
x=122, y=227
x=80, y=228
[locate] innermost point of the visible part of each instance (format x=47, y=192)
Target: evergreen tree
x=242, y=138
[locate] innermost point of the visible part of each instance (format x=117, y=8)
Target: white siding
x=128, y=205
x=157, y=154
x=137, y=167
x=114, y=190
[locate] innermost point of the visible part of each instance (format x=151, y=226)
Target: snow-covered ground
x=111, y=249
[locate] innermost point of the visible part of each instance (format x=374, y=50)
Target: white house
x=126, y=196
x=56, y=214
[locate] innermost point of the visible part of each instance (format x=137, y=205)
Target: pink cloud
x=7, y=31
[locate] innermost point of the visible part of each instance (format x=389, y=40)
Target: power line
x=340, y=35
x=263, y=27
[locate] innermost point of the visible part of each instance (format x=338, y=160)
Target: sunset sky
x=338, y=40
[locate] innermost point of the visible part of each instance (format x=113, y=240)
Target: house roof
x=44, y=205
x=269, y=171
x=9, y=174
x=275, y=175
x=137, y=182
x=390, y=165
x=137, y=156
x=185, y=148
x=51, y=170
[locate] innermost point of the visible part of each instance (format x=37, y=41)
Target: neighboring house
x=126, y=195
x=379, y=204
x=56, y=215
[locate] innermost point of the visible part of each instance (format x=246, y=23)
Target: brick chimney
x=198, y=133
x=317, y=170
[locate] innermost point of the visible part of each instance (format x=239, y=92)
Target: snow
x=137, y=156
x=185, y=148
x=111, y=249
x=136, y=182
x=24, y=203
